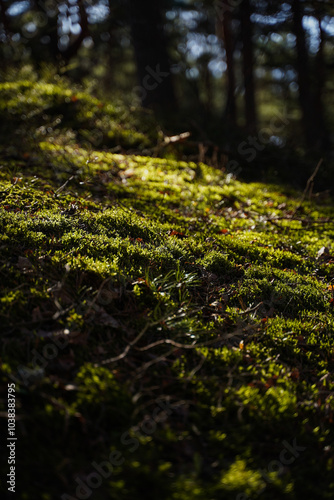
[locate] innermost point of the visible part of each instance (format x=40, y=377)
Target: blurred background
x=249, y=81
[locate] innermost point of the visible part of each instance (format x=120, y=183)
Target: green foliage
x=60, y=112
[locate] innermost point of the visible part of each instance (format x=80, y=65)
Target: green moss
x=163, y=300
x=59, y=112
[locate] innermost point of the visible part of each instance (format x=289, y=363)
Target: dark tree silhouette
x=225, y=32
x=4, y=18
x=73, y=48
x=302, y=66
x=248, y=65
x=150, y=47
x=320, y=83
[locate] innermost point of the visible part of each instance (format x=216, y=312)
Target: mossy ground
x=164, y=311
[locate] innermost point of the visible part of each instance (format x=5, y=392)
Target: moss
x=161, y=301
x=50, y=109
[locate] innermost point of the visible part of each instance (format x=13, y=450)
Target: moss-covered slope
x=169, y=330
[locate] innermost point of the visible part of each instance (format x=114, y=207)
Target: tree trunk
x=320, y=82
x=224, y=31
x=73, y=48
x=6, y=28
x=150, y=46
x=302, y=66
x=248, y=66
x=4, y=19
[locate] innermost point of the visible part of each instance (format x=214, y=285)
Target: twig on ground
x=309, y=186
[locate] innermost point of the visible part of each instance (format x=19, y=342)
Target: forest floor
x=169, y=329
